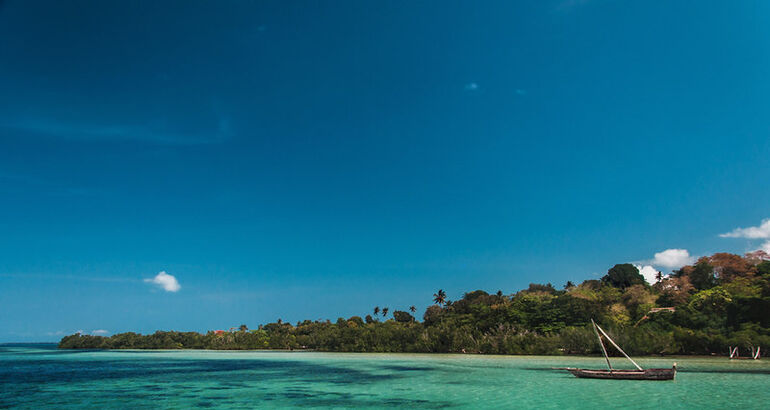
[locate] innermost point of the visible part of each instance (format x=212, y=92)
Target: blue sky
x=309, y=160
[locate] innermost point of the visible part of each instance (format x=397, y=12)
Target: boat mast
x=604, y=350
x=616, y=346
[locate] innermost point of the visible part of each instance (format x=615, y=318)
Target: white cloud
x=165, y=281
x=753, y=232
x=673, y=258
x=649, y=273
x=519, y=91
x=471, y=86
x=99, y=332
x=766, y=247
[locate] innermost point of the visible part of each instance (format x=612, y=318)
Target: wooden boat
x=621, y=374
x=646, y=374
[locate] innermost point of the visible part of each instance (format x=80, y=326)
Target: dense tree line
x=722, y=300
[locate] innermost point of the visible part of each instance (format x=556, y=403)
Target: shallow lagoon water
x=41, y=376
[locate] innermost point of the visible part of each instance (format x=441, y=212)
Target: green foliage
x=638, y=299
x=623, y=275
x=539, y=320
x=578, y=340
x=536, y=287
x=744, y=287
x=715, y=300
x=763, y=268
x=402, y=317
x=702, y=276
x=432, y=315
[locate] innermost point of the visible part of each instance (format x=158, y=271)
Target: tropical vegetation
x=719, y=301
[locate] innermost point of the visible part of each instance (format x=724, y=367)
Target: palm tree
x=439, y=297
x=412, y=309
x=243, y=328
x=376, y=310
x=385, y=311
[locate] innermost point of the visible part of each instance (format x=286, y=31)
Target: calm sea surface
x=40, y=376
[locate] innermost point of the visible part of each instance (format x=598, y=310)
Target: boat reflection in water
x=621, y=374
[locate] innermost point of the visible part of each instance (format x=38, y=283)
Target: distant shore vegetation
x=720, y=301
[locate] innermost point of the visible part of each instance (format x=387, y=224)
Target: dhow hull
x=646, y=374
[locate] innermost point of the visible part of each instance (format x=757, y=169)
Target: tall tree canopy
x=623, y=275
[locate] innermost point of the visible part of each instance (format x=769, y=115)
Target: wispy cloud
x=46, y=187
x=96, y=332
x=165, y=281
x=753, y=232
x=471, y=86
x=120, y=132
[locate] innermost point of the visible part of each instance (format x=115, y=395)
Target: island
x=719, y=303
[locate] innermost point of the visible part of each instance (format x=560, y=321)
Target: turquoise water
x=44, y=377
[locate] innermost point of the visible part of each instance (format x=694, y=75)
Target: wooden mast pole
x=604, y=350
x=617, y=347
